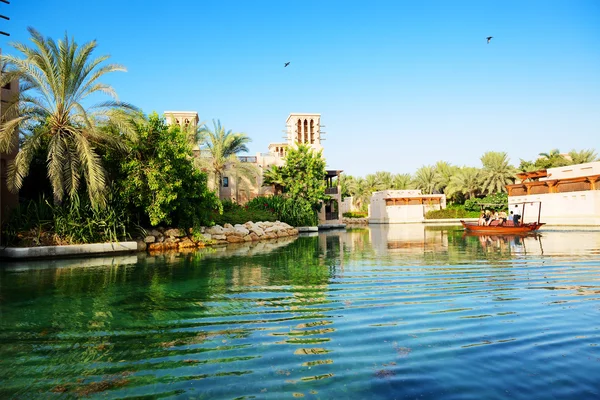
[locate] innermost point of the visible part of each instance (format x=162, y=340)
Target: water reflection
x=376, y=312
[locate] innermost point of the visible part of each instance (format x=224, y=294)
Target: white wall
x=570, y=208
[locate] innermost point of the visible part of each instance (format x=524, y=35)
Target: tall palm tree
x=273, y=176
x=402, y=182
x=223, y=146
x=384, y=180
x=444, y=172
x=552, y=159
x=425, y=179
x=465, y=181
x=496, y=172
x=48, y=114
x=583, y=156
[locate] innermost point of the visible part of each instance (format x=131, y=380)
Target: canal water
x=400, y=311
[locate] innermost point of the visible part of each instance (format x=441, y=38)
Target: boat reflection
x=530, y=243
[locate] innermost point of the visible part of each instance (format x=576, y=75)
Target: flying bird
x=489, y=38
x=286, y=64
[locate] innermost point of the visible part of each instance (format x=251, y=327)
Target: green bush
x=454, y=212
x=355, y=214
x=296, y=212
x=493, y=202
x=74, y=221
x=241, y=215
x=157, y=181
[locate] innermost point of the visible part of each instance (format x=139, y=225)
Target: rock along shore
x=161, y=239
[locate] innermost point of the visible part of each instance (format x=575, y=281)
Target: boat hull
x=501, y=229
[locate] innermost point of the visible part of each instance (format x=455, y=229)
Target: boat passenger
x=481, y=221
x=488, y=217
x=503, y=217
x=516, y=215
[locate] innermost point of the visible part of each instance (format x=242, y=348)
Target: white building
x=568, y=195
x=402, y=206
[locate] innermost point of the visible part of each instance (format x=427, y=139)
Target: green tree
x=425, y=179
x=551, y=159
x=583, y=156
x=56, y=79
x=273, y=176
x=402, y=182
x=465, y=182
x=304, y=175
x=158, y=181
x=222, y=145
x=496, y=173
x=444, y=172
x=385, y=180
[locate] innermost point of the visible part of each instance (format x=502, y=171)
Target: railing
x=331, y=190
x=331, y=215
x=247, y=159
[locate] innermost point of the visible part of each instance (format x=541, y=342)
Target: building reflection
x=408, y=239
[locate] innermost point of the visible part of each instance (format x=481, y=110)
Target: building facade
x=567, y=195
x=403, y=206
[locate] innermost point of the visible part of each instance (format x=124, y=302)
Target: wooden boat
x=507, y=227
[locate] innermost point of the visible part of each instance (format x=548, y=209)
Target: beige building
x=567, y=195
x=7, y=199
x=403, y=206
x=301, y=128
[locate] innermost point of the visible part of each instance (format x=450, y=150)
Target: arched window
x=312, y=131
x=305, y=132
x=299, y=131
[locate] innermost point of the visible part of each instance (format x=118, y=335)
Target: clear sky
x=399, y=84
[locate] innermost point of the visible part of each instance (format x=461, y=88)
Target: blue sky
x=399, y=84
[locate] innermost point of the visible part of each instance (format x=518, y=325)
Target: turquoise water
x=385, y=312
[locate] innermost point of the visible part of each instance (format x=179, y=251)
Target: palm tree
x=56, y=78
x=496, y=172
x=465, y=181
x=273, y=176
x=402, y=181
x=444, y=172
x=425, y=179
x=223, y=146
x=364, y=189
x=384, y=180
x=551, y=159
x=583, y=156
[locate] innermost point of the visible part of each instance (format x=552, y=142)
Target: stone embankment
x=161, y=239
x=355, y=221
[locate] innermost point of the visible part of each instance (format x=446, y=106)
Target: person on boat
x=481, y=221
x=503, y=217
x=488, y=217
x=496, y=216
x=516, y=215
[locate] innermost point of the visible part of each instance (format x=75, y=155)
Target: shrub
x=454, y=212
x=74, y=221
x=296, y=212
x=234, y=213
x=355, y=214
x=157, y=181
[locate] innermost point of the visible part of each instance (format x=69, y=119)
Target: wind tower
x=304, y=128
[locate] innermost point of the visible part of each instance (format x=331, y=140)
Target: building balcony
x=331, y=190
x=247, y=159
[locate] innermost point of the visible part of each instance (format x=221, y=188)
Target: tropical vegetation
x=90, y=172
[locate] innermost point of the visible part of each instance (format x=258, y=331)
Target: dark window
x=7, y=86
x=225, y=181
